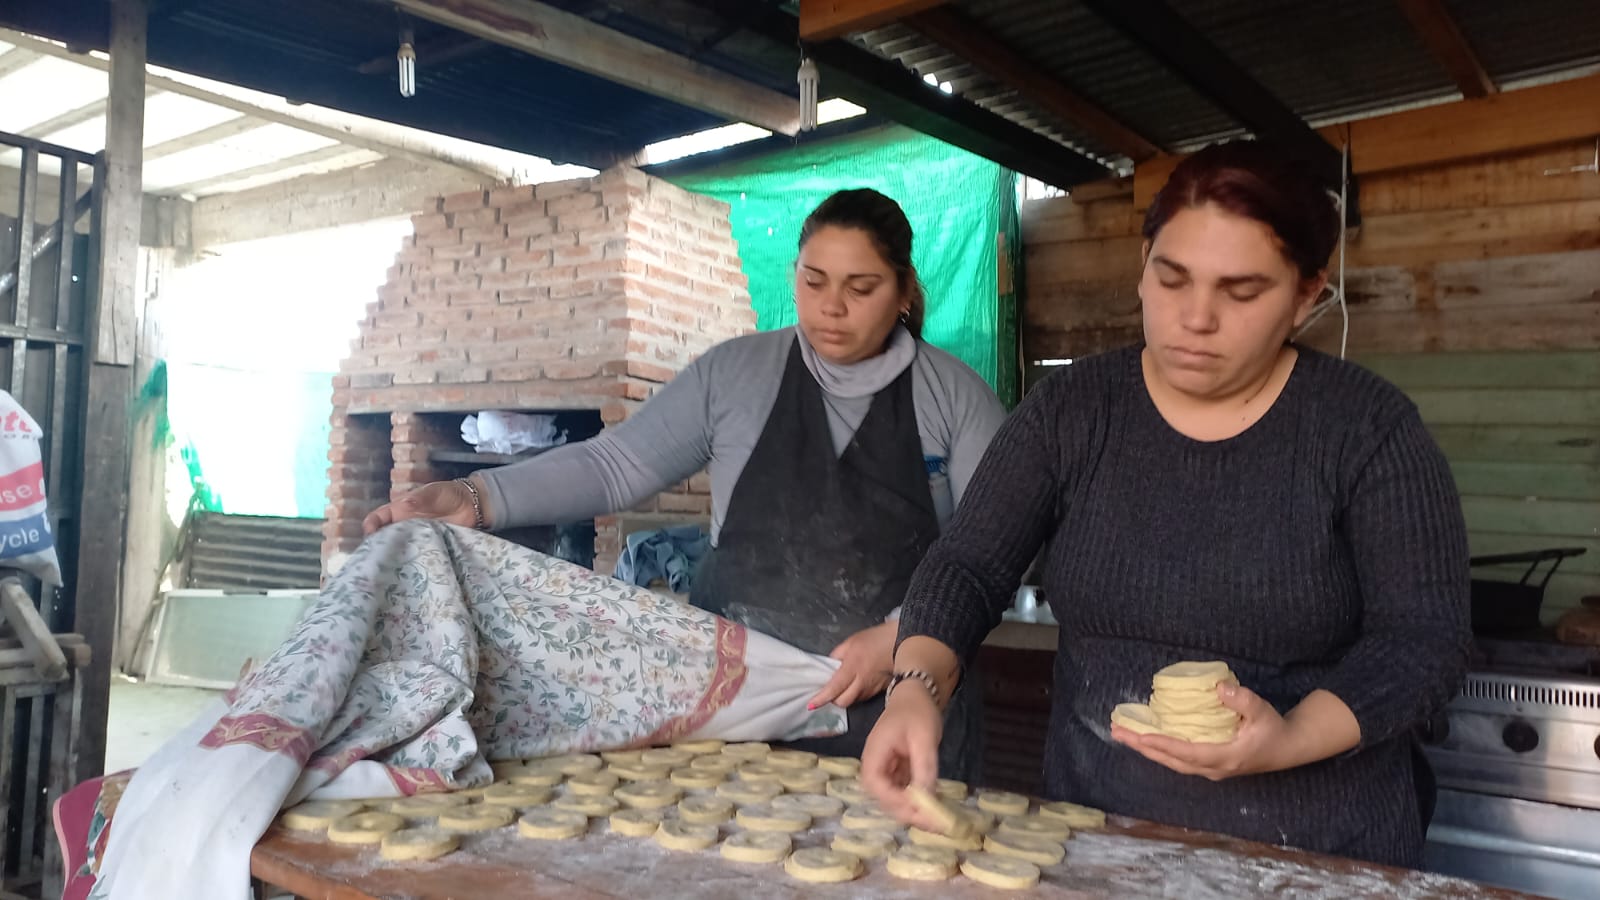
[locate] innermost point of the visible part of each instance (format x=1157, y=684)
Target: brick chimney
x=578, y=298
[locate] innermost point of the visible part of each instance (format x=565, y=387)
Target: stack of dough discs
x=364, y=828
x=705, y=810
x=417, y=844
x=593, y=784
x=636, y=822
x=1000, y=871
x=922, y=863
x=666, y=756
x=649, y=794
x=868, y=815
x=866, y=843
x=1040, y=851
x=709, y=745
x=515, y=794
x=1184, y=704
x=1073, y=815
x=741, y=791
x=847, y=789
x=842, y=766
x=477, y=817
x=791, y=759
x=552, y=824
x=588, y=806
x=747, y=750
x=676, y=834
x=760, y=771
x=804, y=781
x=716, y=763
x=757, y=847
x=1003, y=803
x=1035, y=826
x=813, y=805
x=950, y=789
x=317, y=815
x=426, y=806
x=697, y=778
x=766, y=818
x=821, y=865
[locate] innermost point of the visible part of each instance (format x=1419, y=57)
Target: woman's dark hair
x=885, y=222
x=1257, y=181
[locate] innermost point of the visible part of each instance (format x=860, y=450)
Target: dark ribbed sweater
x=1323, y=547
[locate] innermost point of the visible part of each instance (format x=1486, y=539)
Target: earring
x=905, y=317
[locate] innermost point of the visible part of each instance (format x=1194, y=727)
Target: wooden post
x=111, y=338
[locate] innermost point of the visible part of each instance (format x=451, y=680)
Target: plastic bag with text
x=25, y=539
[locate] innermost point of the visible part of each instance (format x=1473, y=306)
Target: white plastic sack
x=25, y=539
x=493, y=431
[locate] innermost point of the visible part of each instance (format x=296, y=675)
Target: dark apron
x=817, y=546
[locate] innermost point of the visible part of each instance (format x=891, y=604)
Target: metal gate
x=48, y=241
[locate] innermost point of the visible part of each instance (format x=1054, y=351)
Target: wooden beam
x=972, y=42
x=15, y=59
x=68, y=119
x=578, y=43
x=1443, y=38
x=821, y=20
x=299, y=160
x=218, y=132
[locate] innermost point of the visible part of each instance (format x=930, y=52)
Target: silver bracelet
x=477, y=504
x=914, y=675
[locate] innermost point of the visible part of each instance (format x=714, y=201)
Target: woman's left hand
x=868, y=660
x=1262, y=744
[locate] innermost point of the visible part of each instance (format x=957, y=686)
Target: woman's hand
x=1264, y=742
x=868, y=660
x=448, y=501
x=903, y=749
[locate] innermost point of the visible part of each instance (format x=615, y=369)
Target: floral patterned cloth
x=434, y=650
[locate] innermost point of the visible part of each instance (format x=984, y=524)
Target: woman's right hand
x=903, y=749
x=448, y=501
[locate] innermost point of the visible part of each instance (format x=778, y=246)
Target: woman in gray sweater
x=837, y=449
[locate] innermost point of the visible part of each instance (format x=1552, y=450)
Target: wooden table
x=1130, y=859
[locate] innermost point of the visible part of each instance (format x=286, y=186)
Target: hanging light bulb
x=407, y=58
x=808, y=79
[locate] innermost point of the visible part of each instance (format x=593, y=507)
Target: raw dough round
x=1035, y=826
x=640, y=771
x=317, y=815
x=703, y=779
x=1040, y=851
x=1216, y=719
x=1000, y=871
x=843, y=766
x=757, y=847
x=747, y=750
x=791, y=759
x=803, y=781
x=866, y=843
x=820, y=865
x=675, y=834
x=477, y=817
x=612, y=757
x=716, y=763
x=1194, y=676
x=709, y=745
x=705, y=810
x=922, y=863
x=766, y=818
x=868, y=815
x=552, y=824
x=364, y=828
x=571, y=763
x=1074, y=815
x=968, y=841
x=847, y=789
x=1137, y=718
x=666, y=756
x=950, y=789
x=425, y=806
x=593, y=784
x=760, y=771
x=516, y=794
x=944, y=817
x=649, y=794
x=636, y=822
x=546, y=776
x=417, y=844
x=813, y=805
x=1003, y=803
x=741, y=791
x=588, y=806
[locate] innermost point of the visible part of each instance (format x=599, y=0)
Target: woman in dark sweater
x=1214, y=493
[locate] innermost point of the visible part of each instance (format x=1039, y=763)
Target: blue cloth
x=670, y=554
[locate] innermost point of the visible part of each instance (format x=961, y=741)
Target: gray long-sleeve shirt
x=712, y=413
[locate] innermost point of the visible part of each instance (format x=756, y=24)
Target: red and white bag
x=25, y=539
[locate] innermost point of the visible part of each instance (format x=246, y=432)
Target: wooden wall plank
x=1508, y=406
x=1553, y=519
x=1529, y=443
x=1554, y=481
x=1544, y=369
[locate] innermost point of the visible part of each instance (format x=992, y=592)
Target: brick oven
x=577, y=298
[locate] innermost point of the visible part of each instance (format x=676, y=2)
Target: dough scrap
x=317, y=815
x=364, y=827
x=703, y=779
x=675, y=834
x=741, y=791
x=636, y=822
x=757, y=847
x=426, y=806
x=588, y=806
x=417, y=844
x=767, y=818
x=922, y=863
x=847, y=789
x=593, y=784
x=552, y=824
x=1003, y=803
x=950, y=789
x=747, y=749
x=791, y=759
x=666, y=756
x=844, y=766
x=1035, y=826
x=868, y=815
x=1073, y=815
x=649, y=794
x=1000, y=871
x=867, y=843
x=820, y=865
x=709, y=745
x=1041, y=851
x=515, y=794
x=705, y=810
x=477, y=817
x=804, y=781
x=813, y=805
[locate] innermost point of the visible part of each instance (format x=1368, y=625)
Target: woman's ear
x=1310, y=292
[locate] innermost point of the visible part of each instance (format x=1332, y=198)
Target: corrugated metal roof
x=1530, y=38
